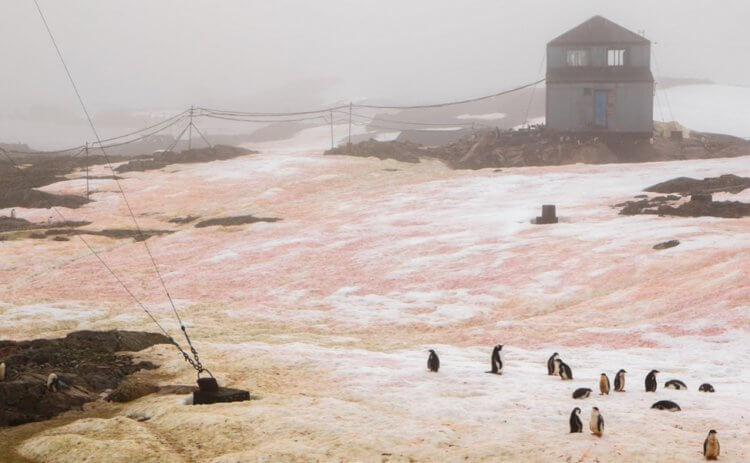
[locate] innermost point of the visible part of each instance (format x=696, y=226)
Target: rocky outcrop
x=688, y=186
x=87, y=363
x=159, y=160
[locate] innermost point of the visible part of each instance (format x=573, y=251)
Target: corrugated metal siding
x=630, y=111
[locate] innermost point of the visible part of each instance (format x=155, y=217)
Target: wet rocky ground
x=694, y=199
x=163, y=159
x=234, y=220
x=89, y=365
x=497, y=148
x=20, y=179
x=17, y=229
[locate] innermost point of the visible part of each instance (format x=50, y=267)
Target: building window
x=616, y=57
x=578, y=58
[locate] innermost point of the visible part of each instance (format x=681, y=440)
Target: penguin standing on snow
x=433, y=362
x=596, y=423
x=603, y=384
x=564, y=369
x=497, y=360
x=651, y=381
x=711, y=448
x=575, y=420
x=675, y=384
x=620, y=381
x=552, y=365
x=53, y=383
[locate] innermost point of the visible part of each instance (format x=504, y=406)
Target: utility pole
x=350, y=127
x=190, y=129
x=331, y=116
x=87, y=170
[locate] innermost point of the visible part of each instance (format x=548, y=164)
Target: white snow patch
x=487, y=117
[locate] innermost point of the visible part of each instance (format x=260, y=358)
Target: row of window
x=615, y=57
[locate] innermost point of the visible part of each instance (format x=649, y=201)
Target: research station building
x=599, y=81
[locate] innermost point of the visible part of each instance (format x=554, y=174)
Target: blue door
x=600, y=108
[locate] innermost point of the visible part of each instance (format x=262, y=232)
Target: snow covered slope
x=326, y=315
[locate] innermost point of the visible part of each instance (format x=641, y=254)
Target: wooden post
x=87, y=170
x=331, y=116
x=190, y=129
x=350, y=127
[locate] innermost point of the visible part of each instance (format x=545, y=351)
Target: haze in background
x=132, y=59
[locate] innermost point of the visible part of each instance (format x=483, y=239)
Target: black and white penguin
x=2, y=371
x=711, y=448
x=596, y=423
x=433, y=362
x=706, y=387
x=666, y=405
x=675, y=384
x=651, y=381
x=581, y=393
x=53, y=383
x=552, y=365
x=620, y=381
x=497, y=360
x=564, y=369
x=576, y=425
x=603, y=384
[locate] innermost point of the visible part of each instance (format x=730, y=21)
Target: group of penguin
x=556, y=367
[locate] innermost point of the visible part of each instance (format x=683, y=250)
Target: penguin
x=53, y=383
x=497, y=360
x=2, y=371
x=651, y=381
x=564, y=369
x=552, y=365
x=620, y=381
x=603, y=384
x=666, y=405
x=596, y=423
x=711, y=448
x=581, y=393
x=675, y=384
x=433, y=362
x=575, y=421
x=706, y=387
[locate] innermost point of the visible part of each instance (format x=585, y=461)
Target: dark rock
x=667, y=244
x=185, y=219
x=688, y=186
x=398, y=150
x=86, y=362
x=724, y=209
x=235, y=220
x=160, y=160
x=701, y=197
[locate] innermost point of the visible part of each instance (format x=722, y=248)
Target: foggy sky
x=296, y=54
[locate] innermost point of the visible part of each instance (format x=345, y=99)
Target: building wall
x=630, y=108
x=637, y=55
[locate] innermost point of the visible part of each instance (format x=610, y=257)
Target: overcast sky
x=283, y=54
